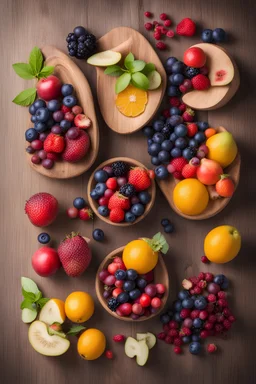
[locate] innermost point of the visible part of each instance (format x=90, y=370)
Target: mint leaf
x=23, y=70
x=140, y=81
x=122, y=82
x=26, y=303
x=28, y=295
x=25, y=98
x=36, y=60
x=29, y=285
x=136, y=66
x=150, y=67
x=42, y=302
x=128, y=60
x=113, y=70
x=46, y=71
x=75, y=330
x=38, y=296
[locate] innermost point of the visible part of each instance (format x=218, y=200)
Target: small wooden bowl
x=94, y=204
x=160, y=276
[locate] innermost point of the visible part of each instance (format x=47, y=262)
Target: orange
x=132, y=101
x=210, y=132
x=79, y=307
x=190, y=196
x=91, y=344
x=140, y=256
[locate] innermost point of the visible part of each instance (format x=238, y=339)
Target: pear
x=222, y=148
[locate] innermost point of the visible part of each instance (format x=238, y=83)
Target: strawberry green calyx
x=71, y=235
x=224, y=176
x=158, y=243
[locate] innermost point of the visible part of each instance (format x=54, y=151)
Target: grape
x=213, y=288
x=56, y=129
x=154, y=310
x=103, y=274
x=137, y=309
x=106, y=294
x=37, y=145
x=72, y=133
x=42, y=154
x=188, y=323
x=30, y=150
x=121, y=181
x=47, y=163
x=150, y=290
x=134, y=316
x=110, y=280
x=108, y=193
x=35, y=159
x=43, y=136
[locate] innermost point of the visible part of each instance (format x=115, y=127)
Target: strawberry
x=225, y=186
x=53, y=156
x=116, y=215
x=75, y=254
x=85, y=214
x=77, y=148
x=200, y=82
x=178, y=163
x=188, y=115
x=186, y=27
x=189, y=171
x=119, y=201
x=54, y=143
x=139, y=178
x=42, y=209
x=182, y=107
x=192, y=129
x=82, y=121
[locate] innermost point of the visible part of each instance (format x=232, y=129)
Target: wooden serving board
x=216, y=96
x=69, y=72
x=214, y=206
x=125, y=40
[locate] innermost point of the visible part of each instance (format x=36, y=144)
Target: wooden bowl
x=214, y=206
x=160, y=276
x=69, y=72
x=94, y=204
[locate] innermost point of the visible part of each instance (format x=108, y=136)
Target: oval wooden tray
x=94, y=204
x=160, y=276
x=69, y=72
x=216, y=96
x=214, y=206
x=125, y=40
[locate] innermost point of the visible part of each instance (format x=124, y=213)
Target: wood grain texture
x=26, y=23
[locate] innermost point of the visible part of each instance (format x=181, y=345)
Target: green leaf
x=136, y=66
x=29, y=285
x=42, y=302
x=28, y=295
x=36, y=60
x=27, y=303
x=113, y=70
x=140, y=81
x=149, y=67
x=25, y=98
x=122, y=82
x=158, y=243
x=46, y=71
x=129, y=59
x=38, y=296
x=23, y=70
x=75, y=330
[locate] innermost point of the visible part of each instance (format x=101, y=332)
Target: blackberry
x=81, y=43
x=166, y=131
x=113, y=304
x=191, y=72
x=127, y=190
x=119, y=168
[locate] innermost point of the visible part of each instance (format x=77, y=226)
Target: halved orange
x=132, y=101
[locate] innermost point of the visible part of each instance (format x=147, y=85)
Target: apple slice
x=104, y=59
x=28, y=315
x=44, y=343
x=155, y=80
x=137, y=348
x=53, y=312
x=142, y=357
x=149, y=337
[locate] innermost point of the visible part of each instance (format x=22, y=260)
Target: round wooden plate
x=125, y=40
x=69, y=72
x=216, y=96
x=214, y=206
x=94, y=204
x=160, y=275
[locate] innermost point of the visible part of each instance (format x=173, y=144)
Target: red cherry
x=160, y=288
x=156, y=302
x=111, y=183
x=113, y=267
x=108, y=193
x=103, y=200
x=194, y=57
x=116, y=292
x=72, y=212
x=145, y=300
x=125, y=309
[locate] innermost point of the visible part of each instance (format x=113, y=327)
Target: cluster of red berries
x=80, y=209
x=118, y=339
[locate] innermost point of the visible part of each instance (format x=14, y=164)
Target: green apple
x=155, y=80
x=104, y=59
x=137, y=348
x=149, y=337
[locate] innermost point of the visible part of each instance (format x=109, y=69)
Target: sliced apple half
x=149, y=337
x=28, y=315
x=104, y=59
x=44, y=343
x=155, y=80
x=137, y=348
x=53, y=312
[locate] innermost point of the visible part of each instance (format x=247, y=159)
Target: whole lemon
x=190, y=196
x=79, y=306
x=222, y=148
x=91, y=344
x=222, y=244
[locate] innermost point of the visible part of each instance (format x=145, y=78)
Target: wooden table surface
x=26, y=23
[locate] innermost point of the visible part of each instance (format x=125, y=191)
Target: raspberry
x=221, y=295
x=227, y=324
x=192, y=129
x=174, y=101
x=193, y=279
x=197, y=290
x=232, y=318
x=195, y=314
x=220, y=318
x=203, y=315
x=211, y=348
x=173, y=324
x=168, y=23
x=202, y=284
x=157, y=35
x=166, y=328
x=185, y=331
x=148, y=26
x=170, y=34
x=208, y=326
x=210, y=307
x=222, y=303
x=147, y=14
x=184, y=313
x=164, y=30
x=168, y=339
x=173, y=333
x=177, y=342
x=201, y=82
x=218, y=328
x=192, y=291
x=109, y=354
x=204, y=334
x=158, y=29
x=177, y=350
x=182, y=88
x=160, y=45
x=212, y=319
x=211, y=298
x=227, y=312
x=208, y=277
x=179, y=163
x=161, y=336
x=182, y=107
x=166, y=113
x=204, y=259
x=163, y=16
x=201, y=276
x=155, y=23
x=119, y=338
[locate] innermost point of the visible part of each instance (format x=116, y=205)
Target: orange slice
x=132, y=101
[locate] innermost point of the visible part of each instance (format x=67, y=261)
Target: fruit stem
x=224, y=176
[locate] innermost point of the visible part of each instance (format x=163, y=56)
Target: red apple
x=194, y=57
x=45, y=261
x=49, y=88
x=209, y=172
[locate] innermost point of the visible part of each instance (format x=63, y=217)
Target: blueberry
x=135, y=294
x=175, y=111
x=174, y=120
x=42, y=114
x=67, y=89
x=171, y=79
x=168, y=228
x=43, y=238
x=219, y=279
x=186, y=339
x=98, y=234
x=80, y=31
x=40, y=127
x=65, y=125
x=131, y=274
x=219, y=35
x=158, y=125
x=54, y=105
x=202, y=125
x=123, y=297
x=165, y=318
x=206, y=36
x=32, y=109
x=200, y=302
x=161, y=172
x=101, y=176
x=188, y=153
x=150, y=141
x=155, y=160
x=181, y=143
x=164, y=156
x=158, y=138
x=69, y=101
x=177, y=317
x=182, y=295
x=33, y=119
x=168, y=65
x=177, y=305
x=148, y=131
x=193, y=143
x=197, y=323
x=58, y=116
x=144, y=197
x=154, y=149
x=138, y=209
x=170, y=313
x=103, y=210
x=173, y=137
x=165, y=222
x=129, y=217
x=200, y=137
x=39, y=104
x=181, y=130
x=173, y=91
x=178, y=79
x=178, y=67
x=31, y=134
x=175, y=152
x=195, y=348
x=167, y=145
x=94, y=194
x=141, y=283
x=100, y=188
x=120, y=274
x=188, y=303
x=79, y=203
x=129, y=285
x=195, y=337
x=225, y=284
x=50, y=123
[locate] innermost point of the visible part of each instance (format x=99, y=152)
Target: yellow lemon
x=91, y=344
x=222, y=148
x=190, y=196
x=222, y=244
x=79, y=307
